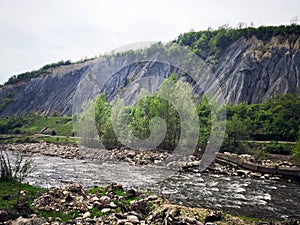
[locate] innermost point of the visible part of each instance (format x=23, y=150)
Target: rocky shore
x=225, y=163
x=116, y=205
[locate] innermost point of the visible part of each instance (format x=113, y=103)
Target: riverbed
x=236, y=195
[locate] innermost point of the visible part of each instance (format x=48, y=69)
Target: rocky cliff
x=249, y=70
x=252, y=71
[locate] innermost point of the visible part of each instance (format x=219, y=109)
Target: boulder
x=213, y=216
x=28, y=221
x=4, y=216
x=133, y=219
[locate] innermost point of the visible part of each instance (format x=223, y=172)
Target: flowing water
x=240, y=196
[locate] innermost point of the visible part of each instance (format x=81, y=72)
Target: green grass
x=64, y=217
x=61, y=125
x=10, y=139
x=9, y=196
x=251, y=219
x=57, y=140
x=119, y=192
x=95, y=212
x=34, y=124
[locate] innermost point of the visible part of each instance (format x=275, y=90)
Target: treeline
x=215, y=42
x=25, y=77
x=135, y=122
x=274, y=120
x=203, y=43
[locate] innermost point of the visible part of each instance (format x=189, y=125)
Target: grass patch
x=95, y=212
x=61, y=125
x=10, y=139
x=64, y=217
x=9, y=199
x=56, y=140
x=250, y=219
x=34, y=124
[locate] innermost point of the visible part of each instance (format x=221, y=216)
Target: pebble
x=133, y=219
x=106, y=210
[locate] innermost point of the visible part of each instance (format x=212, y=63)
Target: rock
x=113, y=205
x=133, y=219
x=130, y=154
x=95, y=198
x=128, y=223
x=140, y=206
x=75, y=187
x=213, y=216
x=152, y=197
x=251, y=75
x=106, y=210
x=86, y=215
x=4, y=216
x=175, y=212
x=256, y=175
x=131, y=193
x=192, y=221
x=243, y=172
x=104, y=201
x=28, y=221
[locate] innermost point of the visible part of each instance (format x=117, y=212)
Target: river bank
x=230, y=164
x=238, y=195
x=115, y=204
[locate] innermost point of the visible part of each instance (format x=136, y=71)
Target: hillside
x=251, y=65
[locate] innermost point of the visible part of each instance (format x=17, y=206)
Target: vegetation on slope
x=34, y=124
x=215, y=42
x=275, y=120
x=203, y=43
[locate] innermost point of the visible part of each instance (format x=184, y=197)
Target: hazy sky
x=35, y=32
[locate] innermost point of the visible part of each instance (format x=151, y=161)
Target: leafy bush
x=215, y=42
x=296, y=151
x=21, y=169
x=278, y=148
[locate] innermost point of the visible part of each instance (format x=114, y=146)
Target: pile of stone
x=43, y=148
x=114, y=205
x=140, y=157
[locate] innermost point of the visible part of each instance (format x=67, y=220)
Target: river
x=236, y=195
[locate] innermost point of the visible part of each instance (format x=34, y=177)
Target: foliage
x=276, y=119
x=296, y=150
x=65, y=217
x=136, y=122
x=215, y=42
x=9, y=192
x=24, y=77
x=34, y=124
x=17, y=172
x=7, y=99
x=278, y=148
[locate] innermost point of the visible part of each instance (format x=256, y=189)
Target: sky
x=37, y=32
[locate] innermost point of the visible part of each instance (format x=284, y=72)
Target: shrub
x=277, y=148
x=53, y=132
x=296, y=151
x=21, y=169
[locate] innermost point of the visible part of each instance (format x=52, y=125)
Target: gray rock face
x=46, y=95
x=251, y=71
x=248, y=71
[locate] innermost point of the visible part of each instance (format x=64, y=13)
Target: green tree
x=296, y=150
x=235, y=130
